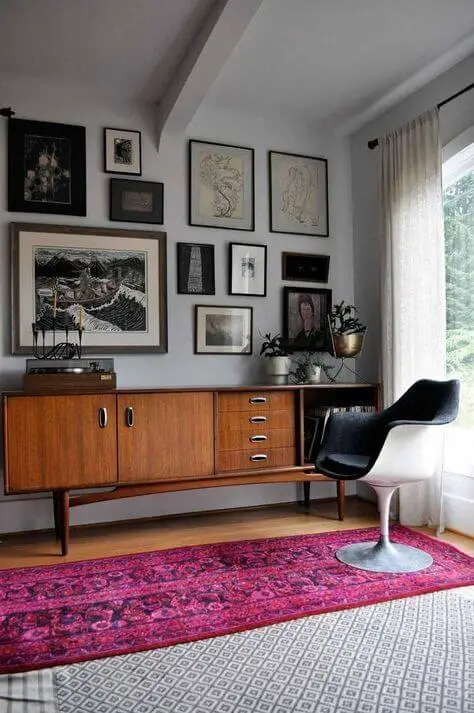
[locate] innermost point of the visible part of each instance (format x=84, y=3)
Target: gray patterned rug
x=404, y=656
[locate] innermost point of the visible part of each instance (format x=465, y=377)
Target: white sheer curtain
x=412, y=279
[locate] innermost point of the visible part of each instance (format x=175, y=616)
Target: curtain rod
x=373, y=143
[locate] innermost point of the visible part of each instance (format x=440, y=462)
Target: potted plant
x=309, y=366
x=347, y=331
x=277, y=359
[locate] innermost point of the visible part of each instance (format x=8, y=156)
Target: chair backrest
x=427, y=401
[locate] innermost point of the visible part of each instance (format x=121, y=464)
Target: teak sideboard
x=156, y=440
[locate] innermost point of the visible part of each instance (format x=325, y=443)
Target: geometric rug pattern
x=412, y=655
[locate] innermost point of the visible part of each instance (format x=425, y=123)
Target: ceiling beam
x=205, y=57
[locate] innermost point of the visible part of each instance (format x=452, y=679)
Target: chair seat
x=346, y=464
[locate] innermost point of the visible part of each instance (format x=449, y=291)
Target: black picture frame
x=203, y=282
x=127, y=142
x=296, y=301
x=304, y=267
x=298, y=194
x=210, y=168
x=251, y=278
x=46, y=167
x=213, y=329
x=136, y=201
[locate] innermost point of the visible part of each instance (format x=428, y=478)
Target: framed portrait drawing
x=304, y=267
x=305, y=312
x=46, y=167
x=221, y=186
x=136, y=201
x=222, y=330
x=196, y=269
x=298, y=194
x=247, y=269
x=123, y=151
x=111, y=281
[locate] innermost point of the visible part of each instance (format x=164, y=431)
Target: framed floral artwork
x=221, y=186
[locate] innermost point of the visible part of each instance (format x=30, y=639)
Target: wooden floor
x=141, y=536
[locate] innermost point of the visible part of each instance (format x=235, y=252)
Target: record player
x=79, y=374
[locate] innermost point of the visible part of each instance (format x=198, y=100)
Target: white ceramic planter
x=278, y=369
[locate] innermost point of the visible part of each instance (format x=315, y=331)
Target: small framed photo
x=136, y=201
x=247, y=269
x=196, y=269
x=298, y=194
x=46, y=167
x=304, y=267
x=123, y=151
x=221, y=186
x=223, y=330
x=305, y=323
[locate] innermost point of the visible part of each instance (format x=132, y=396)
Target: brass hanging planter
x=347, y=345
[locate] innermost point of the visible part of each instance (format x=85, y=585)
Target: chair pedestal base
x=384, y=556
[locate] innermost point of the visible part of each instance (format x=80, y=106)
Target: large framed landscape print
x=112, y=282
x=221, y=186
x=46, y=167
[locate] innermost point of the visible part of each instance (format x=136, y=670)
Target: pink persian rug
x=65, y=613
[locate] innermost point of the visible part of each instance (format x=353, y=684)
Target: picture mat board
x=229, y=168
x=26, y=240
x=204, y=279
x=251, y=260
x=298, y=194
x=220, y=319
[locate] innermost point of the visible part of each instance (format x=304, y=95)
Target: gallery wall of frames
x=117, y=281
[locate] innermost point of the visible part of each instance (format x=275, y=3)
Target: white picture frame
x=247, y=269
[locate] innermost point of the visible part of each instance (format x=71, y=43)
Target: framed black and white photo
x=222, y=330
x=298, y=194
x=221, y=186
x=136, y=201
x=304, y=267
x=46, y=167
x=247, y=269
x=123, y=151
x=196, y=269
x=305, y=313
x=111, y=281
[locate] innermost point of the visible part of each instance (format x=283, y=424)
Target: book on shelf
x=315, y=420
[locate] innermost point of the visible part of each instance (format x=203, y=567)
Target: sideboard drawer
x=253, y=439
x=251, y=460
x=242, y=420
x=254, y=400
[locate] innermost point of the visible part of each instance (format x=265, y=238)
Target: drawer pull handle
x=259, y=456
x=256, y=439
x=103, y=417
x=129, y=416
x=258, y=400
x=258, y=419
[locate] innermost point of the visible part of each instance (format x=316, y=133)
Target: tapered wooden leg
x=64, y=509
x=57, y=514
x=341, y=498
x=306, y=491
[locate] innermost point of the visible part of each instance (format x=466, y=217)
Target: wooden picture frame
x=305, y=318
x=304, y=267
x=114, y=281
x=298, y=193
x=196, y=269
x=123, y=151
x=223, y=330
x=247, y=269
x=221, y=186
x=46, y=167
x=136, y=201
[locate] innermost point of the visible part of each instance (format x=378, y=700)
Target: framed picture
x=196, y=269
x=123, y=151
x=223, y=330
x=136, y=201
x=305, y=321
x=46, y=167
x=111, y=281
x=247, y=269
x=298, y=194
x=221, y=186
x=304, y=267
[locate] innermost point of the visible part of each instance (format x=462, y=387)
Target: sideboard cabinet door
x=58, y=442
x=165, y=436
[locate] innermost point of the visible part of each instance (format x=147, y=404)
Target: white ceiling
x=329, y=60
x=120, y=49
x=314, y=60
